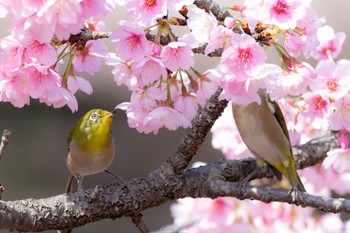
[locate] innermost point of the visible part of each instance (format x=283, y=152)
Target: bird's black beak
x=114, y=111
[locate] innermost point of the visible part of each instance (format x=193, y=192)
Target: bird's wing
x=276, y=111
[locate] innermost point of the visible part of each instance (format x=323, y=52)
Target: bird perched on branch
x=264, y=131
x=91, y=146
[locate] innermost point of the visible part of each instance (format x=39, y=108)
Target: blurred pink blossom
x=330, y=43
x=285, y=13
x=340, y=116
x=332, y=78
x=219, y=37
x=201, y=23
x=146, y=12
x=176, y=5
x=293, y=44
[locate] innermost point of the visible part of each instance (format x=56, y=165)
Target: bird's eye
x=94, y=116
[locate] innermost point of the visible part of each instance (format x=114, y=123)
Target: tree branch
x=140, y=223
x=5, y=139
x=267, y=195
x=201, y=125
x=113, y=201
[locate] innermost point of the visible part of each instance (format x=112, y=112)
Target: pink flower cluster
x=227, y=214
x=32, y=53
x=164, y=94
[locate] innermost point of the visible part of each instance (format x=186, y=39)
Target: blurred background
x=34, y=164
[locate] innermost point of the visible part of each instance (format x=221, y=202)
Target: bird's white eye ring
x=94, y=116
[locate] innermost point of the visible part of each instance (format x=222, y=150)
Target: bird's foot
x=82, y=191
x=294, y=194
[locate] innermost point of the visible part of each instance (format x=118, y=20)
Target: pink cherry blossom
x=22, y=8
x=187, y=105
x=339, y=159
x=31, y=28
x=245, y=92
x=285, y=13
x=132, y=41
x=41, y=53
x=89, y=59
x=145, y=12
x=10, y=92
x=35, y=80
x=294, y=81
x=224, y=214
x=207, y=85
x=147, y=98
x=209, y=215
x=96, y=9
x=244, y=56
x=149, y=70
x=122, y=71
x=219, y=37
x=332, y=78
x=58, y=97
x=177, y=55
x=189, y=39
x=176, y=5
x=293, y=44
x=240, y=92
x=12, y=53
x=252, y=11
x=340, y=117
x=164, y=117
x=75, y=83
x=307, y=29
x=317, y=105
x=330, y=43
x=151, y=120
x=322, y=181
x=135, y=115
x=65, y=17
x=201, y=24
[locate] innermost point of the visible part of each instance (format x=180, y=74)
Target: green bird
x=91, y=146
x=264, y=131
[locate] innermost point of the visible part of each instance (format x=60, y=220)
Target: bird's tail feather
x=294, y=178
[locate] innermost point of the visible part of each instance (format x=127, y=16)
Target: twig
x=175, y=228
x=4, y=142
x=1, y=190
x=141, y=224
x=267, y=195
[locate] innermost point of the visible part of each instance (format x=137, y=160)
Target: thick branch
x=113, y=201
x=201, y=125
